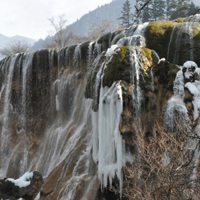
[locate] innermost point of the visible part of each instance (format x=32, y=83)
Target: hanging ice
x=107, y=141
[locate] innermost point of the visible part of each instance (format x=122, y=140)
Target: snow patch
x=23, y=181
x=161, y=60
x=111, y=50
x=189, y=64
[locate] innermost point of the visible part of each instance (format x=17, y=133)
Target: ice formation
x=107, y=141
x=193, y=87
x=176, y=102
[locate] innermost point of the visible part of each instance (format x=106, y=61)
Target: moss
x=196, y=32
x=158, y=35
x=178, y=20
x=120, y=66
x=196, y=29
x=117, y=68
x=121, y=54
x=148, y=53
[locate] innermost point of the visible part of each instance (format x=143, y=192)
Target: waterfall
x=171, y=37
x=9, y=67
x=133, y=36
x=185, y=27
x=26, y=66
x=192, y=18
x=135, y=83
x=90, y=53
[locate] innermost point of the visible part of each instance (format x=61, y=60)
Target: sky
x=29, y=18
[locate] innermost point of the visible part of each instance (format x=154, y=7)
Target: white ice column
x=107, y=140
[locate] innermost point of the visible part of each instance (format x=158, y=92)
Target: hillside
x=6, y=40
x=111, y=11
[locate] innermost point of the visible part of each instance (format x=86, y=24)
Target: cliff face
x=73, y=114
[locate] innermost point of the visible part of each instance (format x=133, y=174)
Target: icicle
x=110, y=140
x=108, y=146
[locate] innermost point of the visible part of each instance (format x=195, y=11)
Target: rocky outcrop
x=26, y=188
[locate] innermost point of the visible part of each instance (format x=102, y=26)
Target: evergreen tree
x=146, y=16
x=167, y=12
x=127, y=16
x=182, y=8
x=171, y=6
x=158, y=9
x=192, y=9
x=136, y=15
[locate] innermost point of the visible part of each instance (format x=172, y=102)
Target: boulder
x=26, y=187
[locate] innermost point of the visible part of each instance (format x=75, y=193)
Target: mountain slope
x=110, y=11
x=6, y=40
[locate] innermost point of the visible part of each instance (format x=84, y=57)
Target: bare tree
x=164, y=166
x=14, y=47
x=99, y=28
x=60, y=35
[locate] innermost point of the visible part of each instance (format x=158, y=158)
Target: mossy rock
x=177, y=41
x=121, y=65
x=158, y=35
x=166, y=73
x=185, y=42
x=178, y=20
x=196, y=38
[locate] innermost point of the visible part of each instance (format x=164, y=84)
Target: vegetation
x=127, y=16
x=100, y=28
x=164, y=167
x=14, y=47
x=59, y=36
x=148, y=10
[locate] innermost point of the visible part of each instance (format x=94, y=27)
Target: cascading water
x=192, y=18
x=171, y=37
x=187, y=40
x=9, y=68
x=133, y=36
